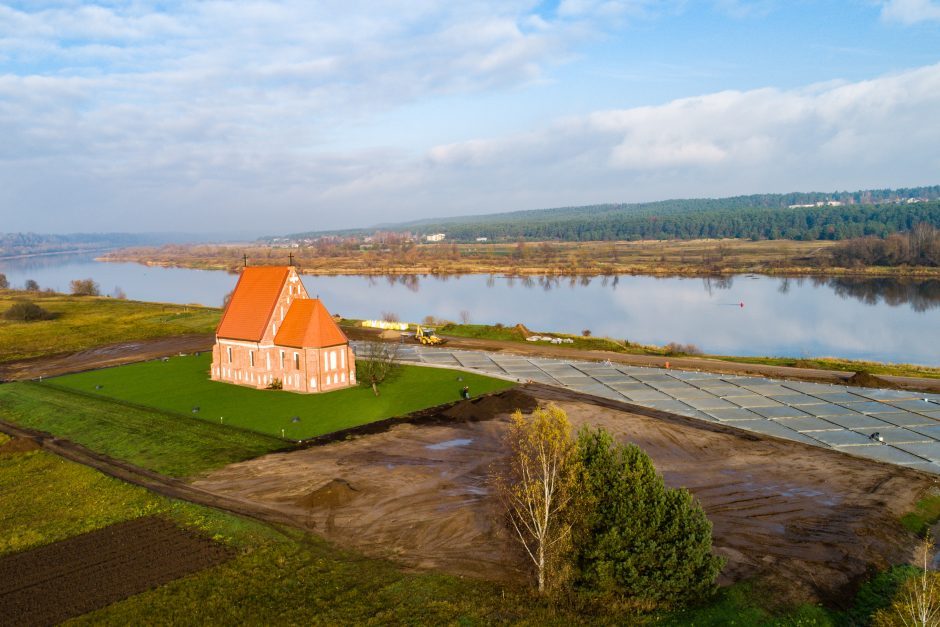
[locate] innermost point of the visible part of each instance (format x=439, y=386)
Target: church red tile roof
x=309, y=325
x=253, y=302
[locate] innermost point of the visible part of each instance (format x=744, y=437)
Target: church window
x=332, y=360
x=282, y=360
x=229, y=349
x=296, y=361
x=251, y=358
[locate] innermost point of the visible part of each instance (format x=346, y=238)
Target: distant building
x=272, y=330
x=436, y=237
x=481, y=239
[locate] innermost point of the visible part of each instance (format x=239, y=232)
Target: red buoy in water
x=742, y=304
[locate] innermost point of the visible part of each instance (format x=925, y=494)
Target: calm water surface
x=880, y=319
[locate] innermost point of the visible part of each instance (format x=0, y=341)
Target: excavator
x=428, y=337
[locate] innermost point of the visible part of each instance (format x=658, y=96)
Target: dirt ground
x=103, y=357
x=813, y=521
x=50, y=584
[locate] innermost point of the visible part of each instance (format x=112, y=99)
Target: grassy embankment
x=660, y=258
x=180, y=384
x=515, y=334
x=143, y=413
x=84, y=322
x=281, y=576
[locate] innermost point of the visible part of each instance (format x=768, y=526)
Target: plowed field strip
x=52, y=583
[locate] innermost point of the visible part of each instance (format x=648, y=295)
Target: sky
x=272, y=117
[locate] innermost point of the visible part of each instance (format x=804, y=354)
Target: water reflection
x=867, y=318
x=921, y=295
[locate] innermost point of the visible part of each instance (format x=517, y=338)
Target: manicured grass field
x=287, y=577
x=182, y=383
x=173, y=445
x=86, y=321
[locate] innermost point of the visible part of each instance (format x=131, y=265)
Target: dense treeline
x=801, y=223
x=840, y=215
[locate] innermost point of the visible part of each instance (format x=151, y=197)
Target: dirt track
x=810, y=519
x=103, y=357
x=52, y=583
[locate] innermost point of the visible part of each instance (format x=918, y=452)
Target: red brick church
x=272, y=330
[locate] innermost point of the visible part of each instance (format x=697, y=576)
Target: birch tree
x=918, y=603
x=538, y=490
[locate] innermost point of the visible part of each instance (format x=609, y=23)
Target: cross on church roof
x=245, y=257
x=290, y=259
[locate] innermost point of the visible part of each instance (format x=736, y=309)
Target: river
x=877, y=319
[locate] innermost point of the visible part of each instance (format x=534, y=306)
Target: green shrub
x=26, y=311
x=640, y=539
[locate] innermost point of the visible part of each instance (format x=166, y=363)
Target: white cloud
x=230, y=109
x=910, y=11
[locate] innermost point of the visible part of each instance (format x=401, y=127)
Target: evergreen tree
x=640, y=539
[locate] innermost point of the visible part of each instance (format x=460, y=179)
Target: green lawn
x=287, y=577
x=182, y=383
x=172, y=445
x=86, y=321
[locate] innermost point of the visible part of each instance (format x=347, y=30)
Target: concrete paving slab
x=769, y=427
x=888, y=395
x=712, y=402
x=642, y=396
x=839, y=397
x=828, y=409
x=767, y=389
x=670, y=405
x=797, y=399
x=907, y=419
x=753, y=401
x=780, y=412
x=931, y=430
x=883, y=453
x=808, y=423
x=730, y=415
x=896, y=435
x=859, y=421
x=916, y=406
x=930, y=452
x=870, y=407
x=842, y=438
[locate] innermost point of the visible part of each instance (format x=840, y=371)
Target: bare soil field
x=811, y=521
x=50, y=584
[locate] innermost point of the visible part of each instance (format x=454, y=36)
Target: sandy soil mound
x=334, y=494
x=19, y=445
x=866, y=380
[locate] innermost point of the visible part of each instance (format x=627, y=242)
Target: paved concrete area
x=831, y=416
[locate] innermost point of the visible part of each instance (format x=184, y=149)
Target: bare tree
x=464, y=316
x=379, y=361
x=538, y=489
x=389, y=316
x=85, y=287
x=4, y=283
x=119, y=293
x=31, y=286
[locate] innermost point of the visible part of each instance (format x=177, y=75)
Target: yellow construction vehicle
x=428, y=337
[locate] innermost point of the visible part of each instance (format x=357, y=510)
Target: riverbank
x=692, y=258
